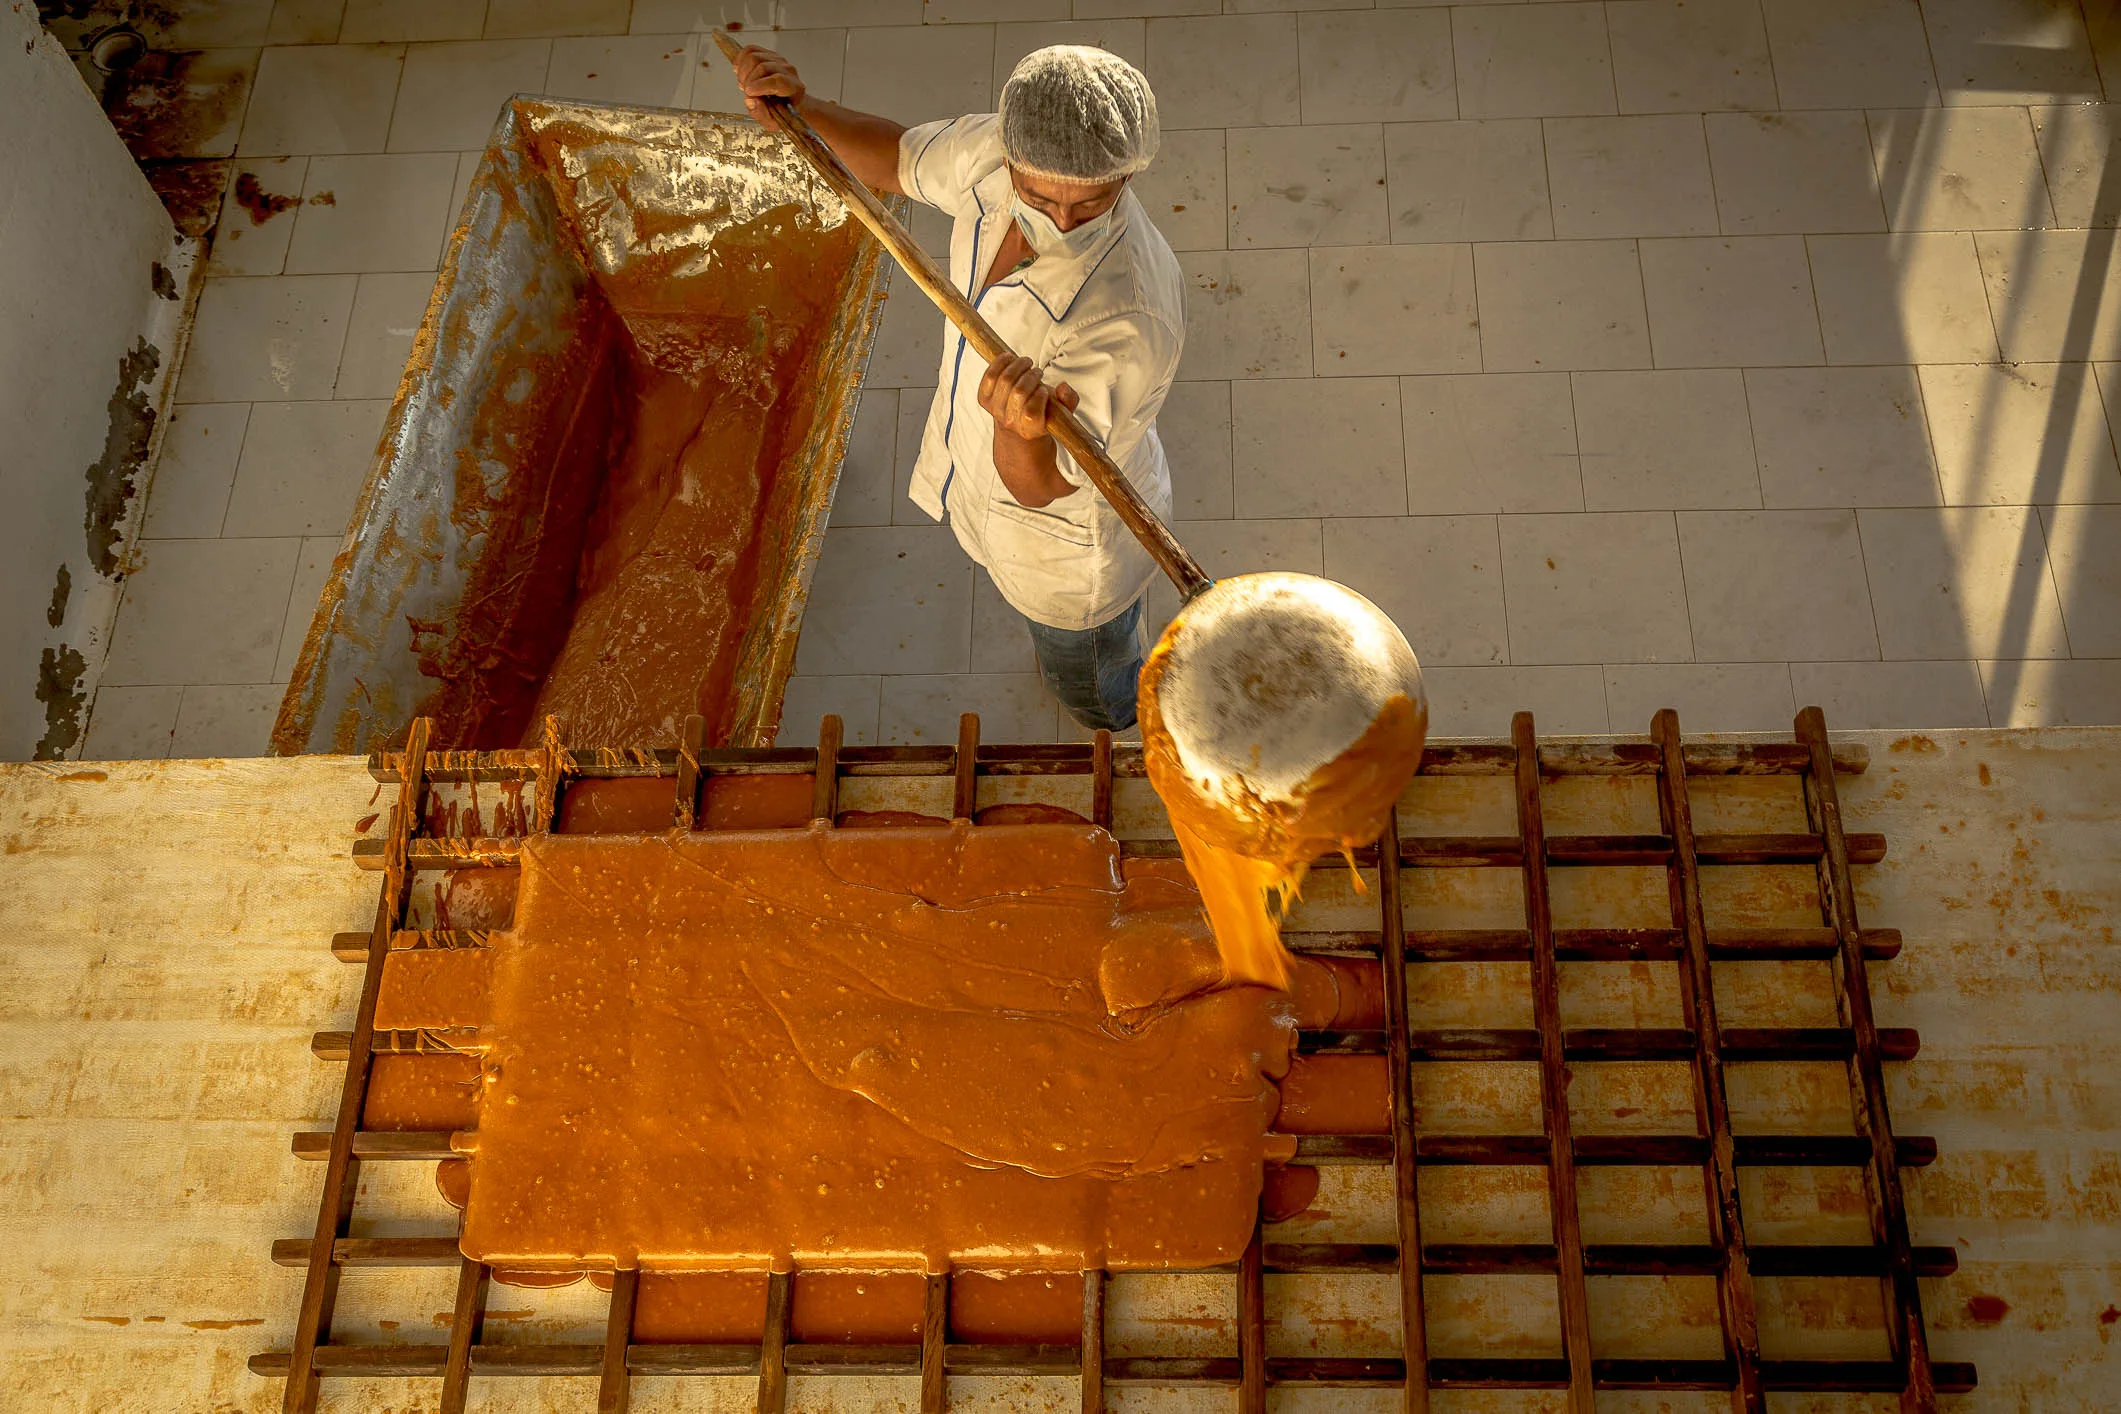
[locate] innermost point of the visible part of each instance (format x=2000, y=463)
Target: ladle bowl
x=1269, y=677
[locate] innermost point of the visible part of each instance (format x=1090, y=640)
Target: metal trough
x=610, y=263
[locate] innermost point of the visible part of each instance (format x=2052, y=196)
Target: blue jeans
x=1093, y=671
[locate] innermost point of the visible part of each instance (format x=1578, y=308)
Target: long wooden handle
x=1067, y=428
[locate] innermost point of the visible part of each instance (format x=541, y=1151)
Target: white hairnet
x=1072, y=113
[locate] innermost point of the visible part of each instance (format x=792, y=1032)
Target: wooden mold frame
x=1838, y=941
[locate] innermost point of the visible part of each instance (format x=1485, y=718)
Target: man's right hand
x=763, y=74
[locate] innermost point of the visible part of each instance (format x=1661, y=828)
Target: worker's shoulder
x=1139, y=277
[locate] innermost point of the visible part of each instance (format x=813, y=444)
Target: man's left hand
x=1018, y=399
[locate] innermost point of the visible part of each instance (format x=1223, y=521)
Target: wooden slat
x=614, y=1382
x=549, y=779
x=467, y=1323
x=1906, y=1334
x=1562, y=851
x=1553, y=1069
x=825, y=791
x=964, y=800
x=1252, y=1329
x=773, y=1347
x=935, y=1333
x=1091, y=1364
x=1697, y=1000
x=1101, y=779
x=1413, y=1325
x=320, y=1283
x=685, y=808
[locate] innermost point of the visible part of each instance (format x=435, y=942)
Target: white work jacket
x=1110, y=324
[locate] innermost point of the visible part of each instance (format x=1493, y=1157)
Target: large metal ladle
x=1275, y=675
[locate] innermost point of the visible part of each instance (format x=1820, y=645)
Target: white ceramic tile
x=1961, y=583
x=809, y=698
x=696, y=16
x=1480, y=702
x=2080, y=551
x=1910, y=298
x=1709, y=697
x=264, y=339
x=312, y=569
x=225, y=721
x=819, y=56
x=1306, y=186
x=398, y=21
x=1491, y=442
x=1532, y=61
x=303, y=467
x=1194, y=426
x=212, y=24
x=1959, y=169
x=1796, y=173
x=1637, y=176
x=888, y=600
x=2010, y=51
x=2019, y=434
x=385, y=213
x=321, y=98
x=1227, y=547
x=517, y=19
x=1886, y=696
x=1184, y=190
x=1479, y=180
x=1690, y=56
x=1840, y=437
x=1001, y=640
x=1394, y=309
x=651, y=69
x=195, y=470
x=1727, y=301
x=1318, y=447
x=1601, y=588
x=1224, y=71
x=1560, y=304
x=915, y=75
x=1849, y=53
x=304, y=22
x=1665, y=439
x=1248, y=314
x=1438, y=577
x=131, y=723
x=959, y=12
x=1127, y=37
x=864, y=494
x=2102, y=21
x=2056, y=294
x=202, y=611
x=1111, y=9
x=452, y=93
x=913, y=407
x=924, y=710
x=2075, y=692
x=257, y=216
x=1770, y=586
x=387, y=310
x=909, y=339
x=1368, y=66
x=2076, y=150
x=184, y=105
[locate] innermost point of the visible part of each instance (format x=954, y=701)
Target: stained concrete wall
x=88, y=319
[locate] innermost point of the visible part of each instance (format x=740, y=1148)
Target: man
x=1063, y=262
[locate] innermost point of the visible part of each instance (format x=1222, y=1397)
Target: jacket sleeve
x=1121, y=368
x=939, y=163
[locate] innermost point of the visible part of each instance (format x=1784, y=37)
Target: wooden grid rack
x=1532, y=852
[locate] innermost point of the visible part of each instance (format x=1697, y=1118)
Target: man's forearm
x=866, y=143
x=1030, y=469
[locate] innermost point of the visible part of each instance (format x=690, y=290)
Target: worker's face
x=1068, y=204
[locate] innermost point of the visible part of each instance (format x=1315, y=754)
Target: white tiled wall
x=1632, y=354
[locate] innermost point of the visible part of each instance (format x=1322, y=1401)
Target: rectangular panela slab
x=899, y=1047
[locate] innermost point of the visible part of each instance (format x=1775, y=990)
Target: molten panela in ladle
x=1248, y=853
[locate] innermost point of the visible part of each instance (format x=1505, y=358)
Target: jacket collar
x=1054, y=281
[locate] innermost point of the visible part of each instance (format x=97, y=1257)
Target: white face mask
x=1047, y=238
